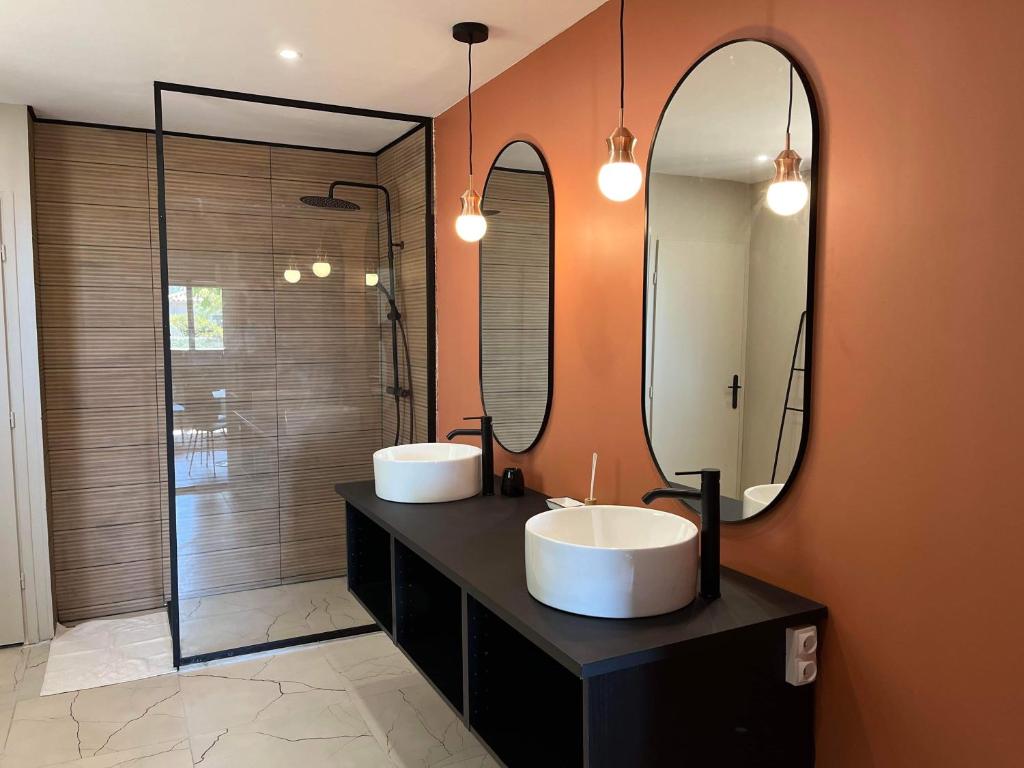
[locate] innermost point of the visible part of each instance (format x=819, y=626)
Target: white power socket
x=801, y=655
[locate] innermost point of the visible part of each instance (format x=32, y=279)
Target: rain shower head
x=334, y=203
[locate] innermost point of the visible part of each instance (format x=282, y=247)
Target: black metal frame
x=812, y=247
x=421, y=122
x=551, y=289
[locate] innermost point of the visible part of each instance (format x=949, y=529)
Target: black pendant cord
x=789, y=113
x=469, y=95
x=622, y=59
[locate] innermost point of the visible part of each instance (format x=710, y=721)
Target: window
x=197, y=317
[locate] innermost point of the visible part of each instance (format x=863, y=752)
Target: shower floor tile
x=249, y=617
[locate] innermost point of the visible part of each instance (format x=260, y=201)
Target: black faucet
x=486, y=435
x=710, y=523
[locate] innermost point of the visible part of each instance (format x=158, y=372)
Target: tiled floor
x=353, y=703
x=238, y=619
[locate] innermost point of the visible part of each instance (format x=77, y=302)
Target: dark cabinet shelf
x=369, y=566
x=542, y=687
x=524, y=704
x=428, y=622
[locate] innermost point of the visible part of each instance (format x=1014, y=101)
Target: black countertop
x=479, y=543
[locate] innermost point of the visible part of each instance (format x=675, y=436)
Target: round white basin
x=424, y=473
x=612, y=562
x=757, y=497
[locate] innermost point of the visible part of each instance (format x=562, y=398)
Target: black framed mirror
x=729, y=268
x=517, y=281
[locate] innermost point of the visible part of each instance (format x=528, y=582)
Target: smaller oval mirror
x=730, y=255
x=516, y=295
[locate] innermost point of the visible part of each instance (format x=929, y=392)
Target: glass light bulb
x=787, y=197
x=321, y=268
x=372, y=278
x=471, y=224
x=292, y=275
x=471, y=227
x=619, y=181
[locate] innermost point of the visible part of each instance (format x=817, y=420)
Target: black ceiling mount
x=470, y=32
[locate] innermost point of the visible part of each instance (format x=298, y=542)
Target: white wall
x=726, y=219
x=776, y=295
x=23, y=362
x=701, y=228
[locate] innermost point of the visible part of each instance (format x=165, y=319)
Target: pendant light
x=620, y=178
x=321, y=267
x=471, y=224
x=788, y=193
x=292, y=274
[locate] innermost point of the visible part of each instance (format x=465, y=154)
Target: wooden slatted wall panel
x=514, y=281
x=99, y=352
x=328, y=373
x=301, y=366
x=402, y=169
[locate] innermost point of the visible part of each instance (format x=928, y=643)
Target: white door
x=12, y=622
x=699, y=337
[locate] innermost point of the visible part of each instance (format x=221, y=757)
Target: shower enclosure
x=296, y=263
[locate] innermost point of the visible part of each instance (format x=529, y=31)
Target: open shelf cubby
x=525, y=705
x=428, y=622
x=369, y=565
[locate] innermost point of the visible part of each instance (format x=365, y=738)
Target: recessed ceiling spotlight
x=762, y=158
x=289, y=54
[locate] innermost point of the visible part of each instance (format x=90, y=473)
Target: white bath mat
x=108, y=651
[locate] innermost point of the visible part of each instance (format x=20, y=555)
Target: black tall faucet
x=710, y=523
x=486, y=435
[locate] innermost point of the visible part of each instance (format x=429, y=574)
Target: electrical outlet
x=801, y=655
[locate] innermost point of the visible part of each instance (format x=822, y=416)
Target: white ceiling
x=728, y=118
x=96, y=60
x=520, y=155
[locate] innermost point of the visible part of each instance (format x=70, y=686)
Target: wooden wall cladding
x=402, y=169
x=515, y=270
x=99, y=352
x=290, y=406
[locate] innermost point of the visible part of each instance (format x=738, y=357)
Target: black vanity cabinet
x=703, y=686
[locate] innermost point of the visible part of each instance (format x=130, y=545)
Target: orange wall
x=903, y=519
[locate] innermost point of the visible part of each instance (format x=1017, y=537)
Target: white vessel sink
x=424, y=473
x=612, y=562
x=757, y=497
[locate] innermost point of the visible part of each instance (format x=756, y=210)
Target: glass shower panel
x=276, y=350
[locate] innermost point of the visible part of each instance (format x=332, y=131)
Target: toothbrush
x=593, y=473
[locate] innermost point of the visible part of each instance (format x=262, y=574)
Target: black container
x=512, y=483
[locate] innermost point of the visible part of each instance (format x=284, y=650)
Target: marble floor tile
x=417, y=728
x=6, y=713
x=22, y=668
x=367, y=659
x=72, y=726
x=248, y=617
x=330, y=737
x=223, y=695
x=173, y=754
x=11, y=660
x=220, y=632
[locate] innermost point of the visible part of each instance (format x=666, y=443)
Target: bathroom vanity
x=702, y=686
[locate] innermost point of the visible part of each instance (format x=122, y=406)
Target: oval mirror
x=516, y=295
x=729, y=274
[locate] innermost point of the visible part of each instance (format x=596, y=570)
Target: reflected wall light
x=620, y=177
x=788, y=192
x=321, y=267
x=471, y=225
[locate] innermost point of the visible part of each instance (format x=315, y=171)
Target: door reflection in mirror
x=726, y=367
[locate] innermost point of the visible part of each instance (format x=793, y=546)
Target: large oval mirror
x=516, y=295
x=729, y=267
